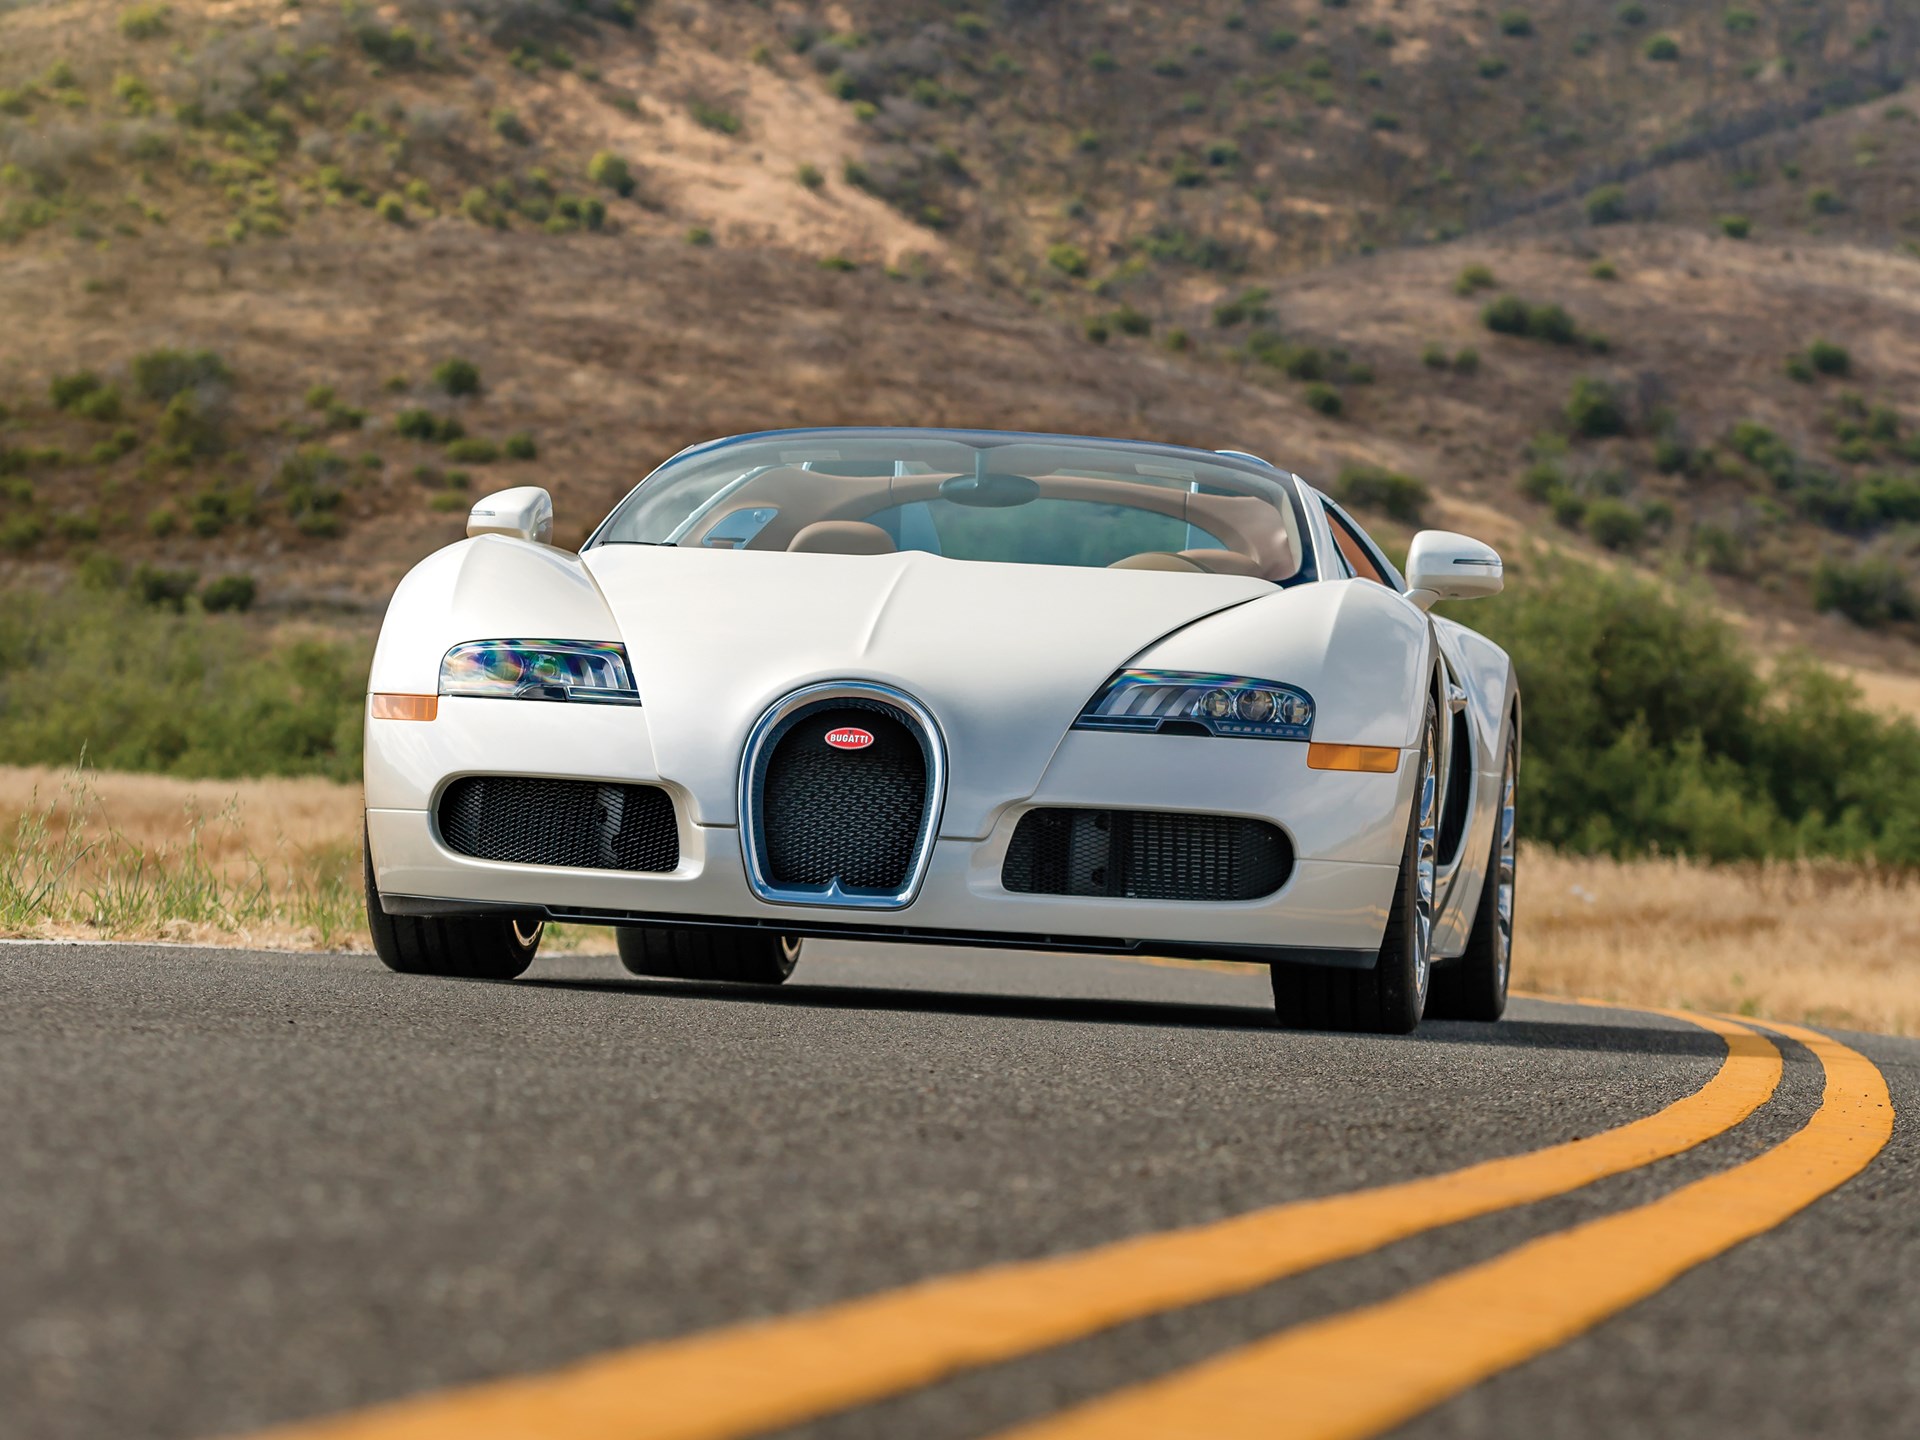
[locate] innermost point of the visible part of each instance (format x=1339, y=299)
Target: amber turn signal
x=405, y=707
x=1373, y=759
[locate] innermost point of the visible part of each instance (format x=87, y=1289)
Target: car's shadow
x=1626, y=1038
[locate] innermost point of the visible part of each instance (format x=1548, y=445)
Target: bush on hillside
x=229, y=592
x=1871, y=592
x=1607, y=205
x=1595, y=409
x=160, y=375
x=1648, y=725
x=1371, y=487
x=160, y=688
x=1829, y=358
x=457, y=377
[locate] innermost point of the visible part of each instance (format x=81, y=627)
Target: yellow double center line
x=1361, y=1372
x=749, y=1378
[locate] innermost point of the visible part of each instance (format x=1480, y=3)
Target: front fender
x=1363, y=653
x=487, y=588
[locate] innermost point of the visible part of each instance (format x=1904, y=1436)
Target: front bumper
x=1347, y=831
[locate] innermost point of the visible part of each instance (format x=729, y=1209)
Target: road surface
x=240, y=1190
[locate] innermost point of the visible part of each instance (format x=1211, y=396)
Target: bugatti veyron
x=952, y=687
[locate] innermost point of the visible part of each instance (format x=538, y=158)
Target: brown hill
x=1232, y=224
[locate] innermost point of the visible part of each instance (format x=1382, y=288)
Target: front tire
x=739, y=957
x=1474, y=987
x=466, y=947
x=1390, y=998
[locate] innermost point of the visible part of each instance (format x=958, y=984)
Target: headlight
x=540, y=670
x=1177, y=700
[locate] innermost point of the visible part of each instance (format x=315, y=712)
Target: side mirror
x=525, y=512
x=1444, y=566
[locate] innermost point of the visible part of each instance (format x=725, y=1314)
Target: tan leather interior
x=808, y=500
x=1159, y=560
x=842, y=537
x=1223, y=562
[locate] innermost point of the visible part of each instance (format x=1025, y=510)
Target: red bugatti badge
x=851, y=738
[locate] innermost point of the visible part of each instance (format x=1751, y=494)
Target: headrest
x=841, y=537
x=1159, y=560
x=1223, y=562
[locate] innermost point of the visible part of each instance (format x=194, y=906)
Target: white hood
x=1004, y=656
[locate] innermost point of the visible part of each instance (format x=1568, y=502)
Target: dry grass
x=274, y=863
x=1823, y=943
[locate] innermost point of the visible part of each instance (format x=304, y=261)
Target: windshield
x=1019, y=499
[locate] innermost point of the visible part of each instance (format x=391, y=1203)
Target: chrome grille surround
x=766, y=734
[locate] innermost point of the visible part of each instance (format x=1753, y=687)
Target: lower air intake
x=1145, y=855
x=580, y=824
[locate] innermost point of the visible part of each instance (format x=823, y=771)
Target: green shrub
x=1323, y=398
x=1871, y=592
x=1607, y=205
x=1824, y=201
x=391, y=208
x=611, y=172
x=1633, y=13
x=1370, y=487
x=473, y=450
x=162, y=521
x=161, y=375
x=170, y=690
x=520, y=446
x=509, y=127
x=162, y=588
x=69, y=390
x=1492, y=67
x=1506, y=315
x=1603, y=269
x=1434, y=357
x=419, y=424
x=1735, y=227
x=1649, y=726
x=190, y=426
x=1129, y=321
x=229, y=592
x=1614, y=524
x=1516, y=22
x=102, y=405
x=1067, y=258
x=1097, y=330
x=1472, y=279
x=1249, y=304
x=715, y=117
x=838, y=263
x=1569, y=508
x=1466, y=361
x=20, y=533
x=1662, y=47
x=1594, y=408
x=457, y=376
x=1829, y=358
x=397, y=48
x=1800, y=368
x=145, y=22
x=810, y=176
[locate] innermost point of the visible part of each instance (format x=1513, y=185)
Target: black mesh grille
x=852, y=815
x=1145, y=855
x=579, y=823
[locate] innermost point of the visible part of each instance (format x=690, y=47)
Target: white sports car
x=954, y=687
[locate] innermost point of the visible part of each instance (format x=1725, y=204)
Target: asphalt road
x=242, y=1189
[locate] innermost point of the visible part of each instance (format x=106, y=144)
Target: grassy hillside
x=1644, y=277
